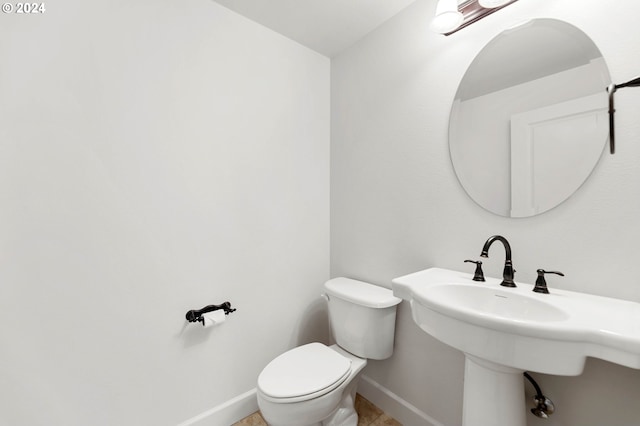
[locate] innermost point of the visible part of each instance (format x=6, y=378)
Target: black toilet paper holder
x=195, y=315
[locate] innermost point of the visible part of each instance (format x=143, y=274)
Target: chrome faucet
x=507, y=274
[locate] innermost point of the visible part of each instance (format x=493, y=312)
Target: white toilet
x=315, y=384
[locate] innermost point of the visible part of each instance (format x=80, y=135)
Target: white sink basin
x=488, y=303
x=515, y=327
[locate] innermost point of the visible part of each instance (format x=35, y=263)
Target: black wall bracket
x=611, y=89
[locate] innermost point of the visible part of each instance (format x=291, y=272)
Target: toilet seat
x=303, y=373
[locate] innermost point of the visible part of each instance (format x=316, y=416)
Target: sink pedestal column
x=493, y=394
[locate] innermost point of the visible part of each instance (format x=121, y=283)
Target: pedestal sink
x=505, y=331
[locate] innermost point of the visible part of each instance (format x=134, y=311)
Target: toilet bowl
x=324, y=381
x=315, y=384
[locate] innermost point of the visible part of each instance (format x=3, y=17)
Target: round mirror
x=529, y=121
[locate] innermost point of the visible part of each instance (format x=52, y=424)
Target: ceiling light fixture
x=490, y=4
x=451, y=16
x=447, y=17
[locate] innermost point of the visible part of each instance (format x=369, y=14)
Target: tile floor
x=368, y=415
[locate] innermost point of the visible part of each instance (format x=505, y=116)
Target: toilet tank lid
x=361, y=293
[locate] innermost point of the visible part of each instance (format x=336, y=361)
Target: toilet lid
x=303, y=371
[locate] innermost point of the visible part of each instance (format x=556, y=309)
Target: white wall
x=397, y=207
x=155, y=157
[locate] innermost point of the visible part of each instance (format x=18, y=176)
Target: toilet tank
x=362, y=317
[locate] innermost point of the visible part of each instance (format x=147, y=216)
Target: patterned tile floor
x=368, y=415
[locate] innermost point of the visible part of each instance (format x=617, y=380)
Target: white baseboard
x=246, y=404
x=227, y=413
x=393, y=405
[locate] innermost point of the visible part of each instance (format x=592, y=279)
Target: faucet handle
x=541, y=283
x=478, y=275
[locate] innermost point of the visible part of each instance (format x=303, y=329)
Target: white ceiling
x=326, y=26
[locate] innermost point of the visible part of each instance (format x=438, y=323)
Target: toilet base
x=346, y=414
